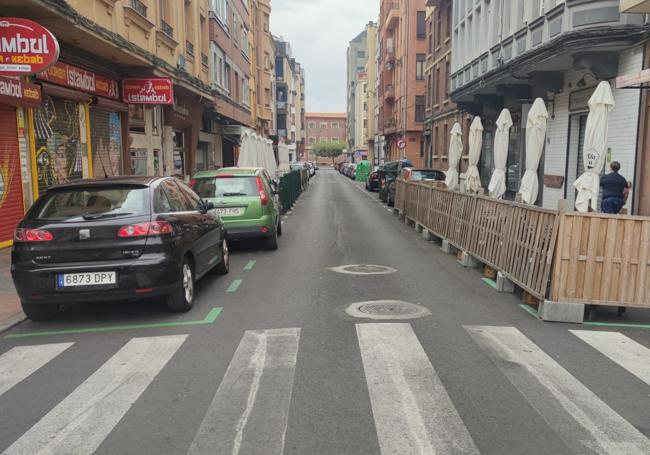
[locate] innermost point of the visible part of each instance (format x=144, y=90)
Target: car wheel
x=39, y=312
x=271, y=243
x=182, y=298
x=224, y=266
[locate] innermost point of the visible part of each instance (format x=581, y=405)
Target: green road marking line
x=618, y=324
x=250, y=265
x=490, y=282
x=209, y=319
x=234, y=286
x=529, y=309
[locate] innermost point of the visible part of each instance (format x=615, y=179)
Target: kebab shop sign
x=158, y=90
x=25, y=47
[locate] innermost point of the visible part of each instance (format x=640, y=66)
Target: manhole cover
x=386, y=309
x=364, y=269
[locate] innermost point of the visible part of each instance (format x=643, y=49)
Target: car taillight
x=264, y=199
x=145, y=229
x=32, y=235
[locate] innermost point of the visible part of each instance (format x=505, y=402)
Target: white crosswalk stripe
x=21, y=361
x=629, y=354
x=250, y=410
x=79, y=423
x=412, y=410
x=584, y=422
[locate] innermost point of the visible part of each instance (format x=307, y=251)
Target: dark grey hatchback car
x=120, y=238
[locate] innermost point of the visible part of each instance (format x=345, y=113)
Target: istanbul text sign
x=19, y=93
x=25, y=47
x=81, y=79
x=148, y=91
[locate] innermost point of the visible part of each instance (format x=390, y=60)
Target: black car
x=414, y=174
x=120, y=238
x=388, y=174
x=372, y=184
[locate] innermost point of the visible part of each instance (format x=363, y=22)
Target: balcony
x=166, y=28
x=390, y=122
x=139, y=7
x=389, y=93
x=204, y=60
x=189, y=49
x=392, y=15
x=282, y=106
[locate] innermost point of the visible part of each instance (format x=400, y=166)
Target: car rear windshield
x=426, y=175
x=91, y=203
x=226, y=186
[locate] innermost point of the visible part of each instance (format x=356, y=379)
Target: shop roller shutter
x=11, y=191
x=106, y=142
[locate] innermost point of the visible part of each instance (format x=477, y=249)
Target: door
x=208, y=242
x=106, y=143
x=575, y=165
x=11, y=191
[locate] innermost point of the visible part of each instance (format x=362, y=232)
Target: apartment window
x=312, y=125
x=323, y=125
x=419, y=66
x=266, y=22
x=220, y=9
x=235, y=27
x=419, y=108
x=267, y=61
x=267, y=97
x=244, y=41
x=438, y=27
x=437, y=87
x=312, y=140
x=245, y=82
x=335, y=125
x=218, y=65
x=446, y=81
x=226, y=77
x=361, y=54
x=421, y=26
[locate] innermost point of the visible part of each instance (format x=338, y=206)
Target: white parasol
x=455, y=152
x=497, y=186
x=246, y=149
x=593, y=153
x=535, y=137
x=473, y=178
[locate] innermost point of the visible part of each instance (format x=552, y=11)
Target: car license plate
x=229, y=211
x=86, y=279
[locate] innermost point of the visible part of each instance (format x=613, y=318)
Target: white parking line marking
x=20, y=362
x=79, y=423
x=629, y=354
x=412, y=410
x=583, y=421
x=250, y=410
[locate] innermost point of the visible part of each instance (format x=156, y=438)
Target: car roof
x=118, y=180
x=239, y=170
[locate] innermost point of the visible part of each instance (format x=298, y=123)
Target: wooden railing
x=513, y=238
x=570, y=257
x=603, y=260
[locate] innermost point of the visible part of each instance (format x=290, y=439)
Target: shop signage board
x=25, y=47
x=19, y=93
x=80, y=79
x=231, y=130
x=148, y=91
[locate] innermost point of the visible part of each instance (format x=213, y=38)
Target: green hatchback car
x=246, y=201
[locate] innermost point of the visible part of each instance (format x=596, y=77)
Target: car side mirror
x=206, y=206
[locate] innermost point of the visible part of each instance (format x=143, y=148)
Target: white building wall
x=623, y=127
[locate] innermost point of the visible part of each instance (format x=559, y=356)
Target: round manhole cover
x=387, y=309
x=364, y=269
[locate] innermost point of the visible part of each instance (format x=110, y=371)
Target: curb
x=12, y=322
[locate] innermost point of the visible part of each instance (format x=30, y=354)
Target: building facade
x=262, y=68
x=324, y=127
x=506, y=54
x=402, y=36
x=355, y=66
x=441, y=112
x=370, y=91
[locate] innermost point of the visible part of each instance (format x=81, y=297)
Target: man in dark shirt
x=615, y=190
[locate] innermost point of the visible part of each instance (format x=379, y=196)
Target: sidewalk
x=10, y=311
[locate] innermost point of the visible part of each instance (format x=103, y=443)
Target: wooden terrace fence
x=565, y=256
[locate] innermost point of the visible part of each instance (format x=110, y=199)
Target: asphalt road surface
x=269, y=362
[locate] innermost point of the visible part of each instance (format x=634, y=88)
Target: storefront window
x=58, y=146
x=514, y=166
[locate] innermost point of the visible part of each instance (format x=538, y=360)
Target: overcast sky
x=319, y=32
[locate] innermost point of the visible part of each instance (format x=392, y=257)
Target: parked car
x=388, y=173
x=312, y=168
x=372, y=184
x=352, y=170
x=415, y=174
x=120, y=238
x=246, y=200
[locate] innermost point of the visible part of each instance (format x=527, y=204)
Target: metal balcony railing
x=139, y=7
x=204, y=59
x=189, y=48
x=166, y=28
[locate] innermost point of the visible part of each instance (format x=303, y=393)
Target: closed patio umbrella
x=535, y=136
x=473, y=178
x=455, y=152
x=497, y=186
x=246, y=150
x=593, y=152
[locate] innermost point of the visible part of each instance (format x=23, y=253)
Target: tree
x=328, y=149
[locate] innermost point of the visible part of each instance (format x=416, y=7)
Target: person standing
x=615, y=190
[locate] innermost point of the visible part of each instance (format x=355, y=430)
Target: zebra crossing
x=412, y=410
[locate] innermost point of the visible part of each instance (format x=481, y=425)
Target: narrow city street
x=269, y=362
